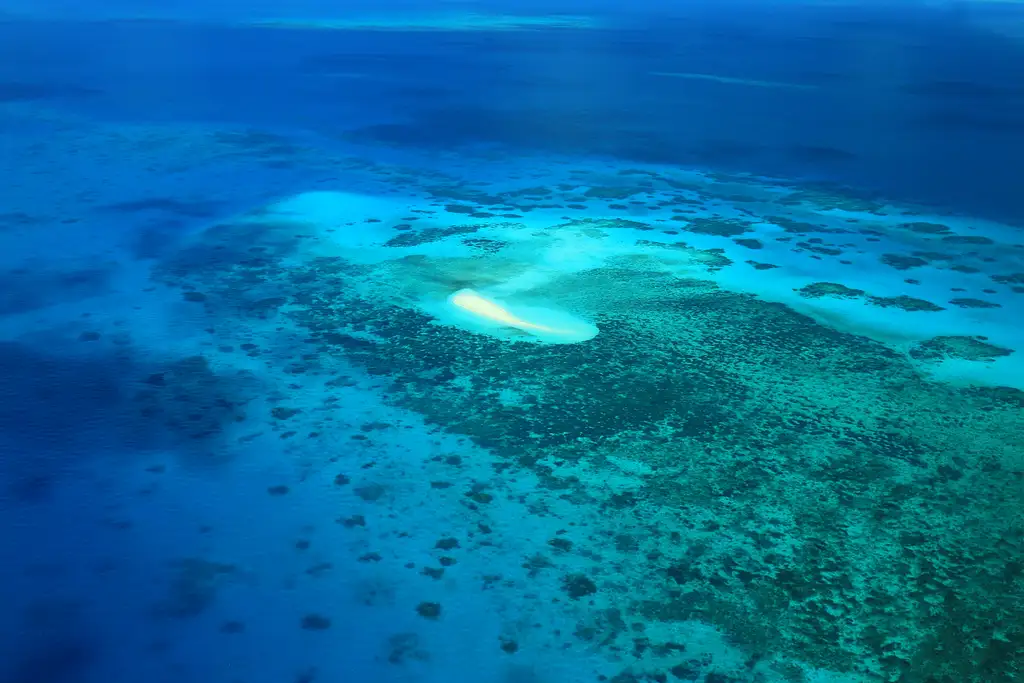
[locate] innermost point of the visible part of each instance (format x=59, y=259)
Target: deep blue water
x=236, y=496
x=919, y=103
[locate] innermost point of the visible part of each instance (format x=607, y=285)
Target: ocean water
x=513, y=342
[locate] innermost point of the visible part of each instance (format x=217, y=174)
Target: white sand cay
x=544, y=324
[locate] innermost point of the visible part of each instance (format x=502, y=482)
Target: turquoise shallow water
x=511, y=344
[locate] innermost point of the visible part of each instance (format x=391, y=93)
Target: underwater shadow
x=58, y=410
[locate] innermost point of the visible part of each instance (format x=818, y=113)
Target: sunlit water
x=502, y=345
